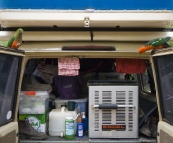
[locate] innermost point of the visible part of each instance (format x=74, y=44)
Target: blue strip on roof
x=88, y=4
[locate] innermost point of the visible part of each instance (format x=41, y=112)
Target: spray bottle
x=80, y=132
x=85, y=122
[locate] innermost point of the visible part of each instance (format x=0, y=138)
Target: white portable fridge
x=113, y=109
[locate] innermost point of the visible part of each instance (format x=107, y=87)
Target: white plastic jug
x=57, y=119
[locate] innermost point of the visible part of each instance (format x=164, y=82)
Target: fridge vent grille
x=96, y=112
x=106, y=117
x=120, y=112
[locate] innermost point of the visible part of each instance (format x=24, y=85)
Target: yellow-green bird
x=16, y=40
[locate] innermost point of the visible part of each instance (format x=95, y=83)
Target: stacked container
x=34, y=105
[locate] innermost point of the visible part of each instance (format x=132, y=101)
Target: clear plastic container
x=82, y=103
x=33, y=102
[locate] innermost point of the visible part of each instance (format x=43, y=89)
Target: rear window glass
x=148, y=80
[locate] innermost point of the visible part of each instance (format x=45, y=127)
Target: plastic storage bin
x=33, y=102
x=82, y=103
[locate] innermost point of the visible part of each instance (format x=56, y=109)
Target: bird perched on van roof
x=155, y=44
x=15, y=41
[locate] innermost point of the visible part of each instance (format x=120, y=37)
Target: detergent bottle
x=70, y=127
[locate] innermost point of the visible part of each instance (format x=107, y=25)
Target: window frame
x=162, y=108
x=15, y=93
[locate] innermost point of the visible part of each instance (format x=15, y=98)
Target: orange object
x=143, y=49
x=30, y=93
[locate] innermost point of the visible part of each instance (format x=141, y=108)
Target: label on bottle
x=80, y=130
x=69, y=128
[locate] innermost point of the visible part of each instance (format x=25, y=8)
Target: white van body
x=47, y=31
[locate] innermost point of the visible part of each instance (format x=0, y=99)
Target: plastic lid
x=30, y=93
x=59, y=100
x=42, y=94
x=69, y=118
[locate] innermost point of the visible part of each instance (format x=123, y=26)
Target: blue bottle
x=85, y=122
x=80, y=132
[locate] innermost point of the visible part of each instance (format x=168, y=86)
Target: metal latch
x=86, y=22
